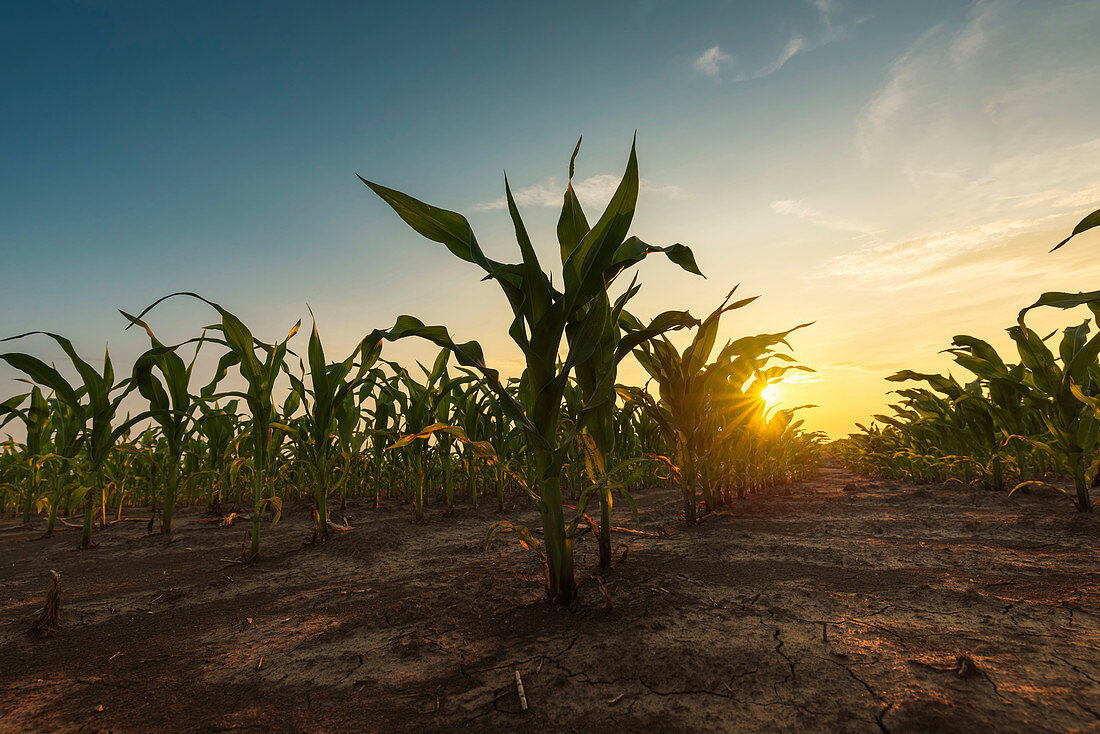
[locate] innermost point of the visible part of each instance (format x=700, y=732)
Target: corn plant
x=349, y=441
x=704, y=406
x=1064, y=392
x=332, y=384
x=260, y=379
x=171, y=407
x=36, y=423
x=1074, y=434
x=595, y=379
x=1039, y=416
x=66, y=425
x=591, y=258
x=382, y=434
x=96, y=416
x=217, y=427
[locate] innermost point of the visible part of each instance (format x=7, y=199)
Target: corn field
x=1006, y=426
x=298, y=425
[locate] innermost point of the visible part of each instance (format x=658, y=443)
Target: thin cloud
x=973, y=119
x=956, y=83
x=799, y=377
x=795, y=45
x=825, y=9
x=975, y=36
x=799, y=209
x=902, y=264
x=891, y=100
x=709, y=63
x=824, y=30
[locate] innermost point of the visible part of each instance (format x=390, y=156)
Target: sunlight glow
x=771, y=395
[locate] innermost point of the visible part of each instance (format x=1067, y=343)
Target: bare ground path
x=837, y=604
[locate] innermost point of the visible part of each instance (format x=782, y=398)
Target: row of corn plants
x=1009, y=424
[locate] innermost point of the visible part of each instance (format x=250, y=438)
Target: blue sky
x=895, y=171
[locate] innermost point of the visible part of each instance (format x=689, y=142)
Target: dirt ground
x=837, y=604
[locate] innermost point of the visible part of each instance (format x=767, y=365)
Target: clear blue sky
x=855, y=162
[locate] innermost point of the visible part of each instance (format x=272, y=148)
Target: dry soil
x=837, y=604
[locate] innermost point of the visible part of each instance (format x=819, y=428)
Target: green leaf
x=1057, y=299
x=448, y=228
x=585, y=267
x=1092, y=220
x=633, y=251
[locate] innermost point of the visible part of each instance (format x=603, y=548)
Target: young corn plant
x=703, y=403
x=217, y=427
x=595, y=380
x=955, y=420
x=67, y=441
x=1073, y=392
x=415, y=408
x=260, y=377
x=332, y=385
x=381, y=419
x=171, y=407
x=1005, y=396
x=350, y=441
x=36, y=423
x=591, y=258
x=96, y=416
x=1067, y=397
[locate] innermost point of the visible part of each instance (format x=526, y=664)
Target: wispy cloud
x=594, y=191
x=958, y=83
x=709, y=63
x=901, y=264
x=822, y=29
x=826, y=9
x=974, y=38
x=795, y=45
x=888, y=103
x=798, y=377
x=799, y=209
x=978, y=119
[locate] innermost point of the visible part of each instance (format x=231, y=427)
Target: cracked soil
x=840, y=603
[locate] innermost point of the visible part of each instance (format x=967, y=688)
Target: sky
x=895, y=172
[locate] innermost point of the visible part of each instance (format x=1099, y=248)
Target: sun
x=771, y=395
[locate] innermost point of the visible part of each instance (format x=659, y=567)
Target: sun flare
x=771, y=395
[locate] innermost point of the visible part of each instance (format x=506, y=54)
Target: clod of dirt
x=48, y=620
x=965, y=667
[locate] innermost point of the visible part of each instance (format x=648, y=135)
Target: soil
x=837, y=604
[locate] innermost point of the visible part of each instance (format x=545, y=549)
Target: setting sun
x=771, y=395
